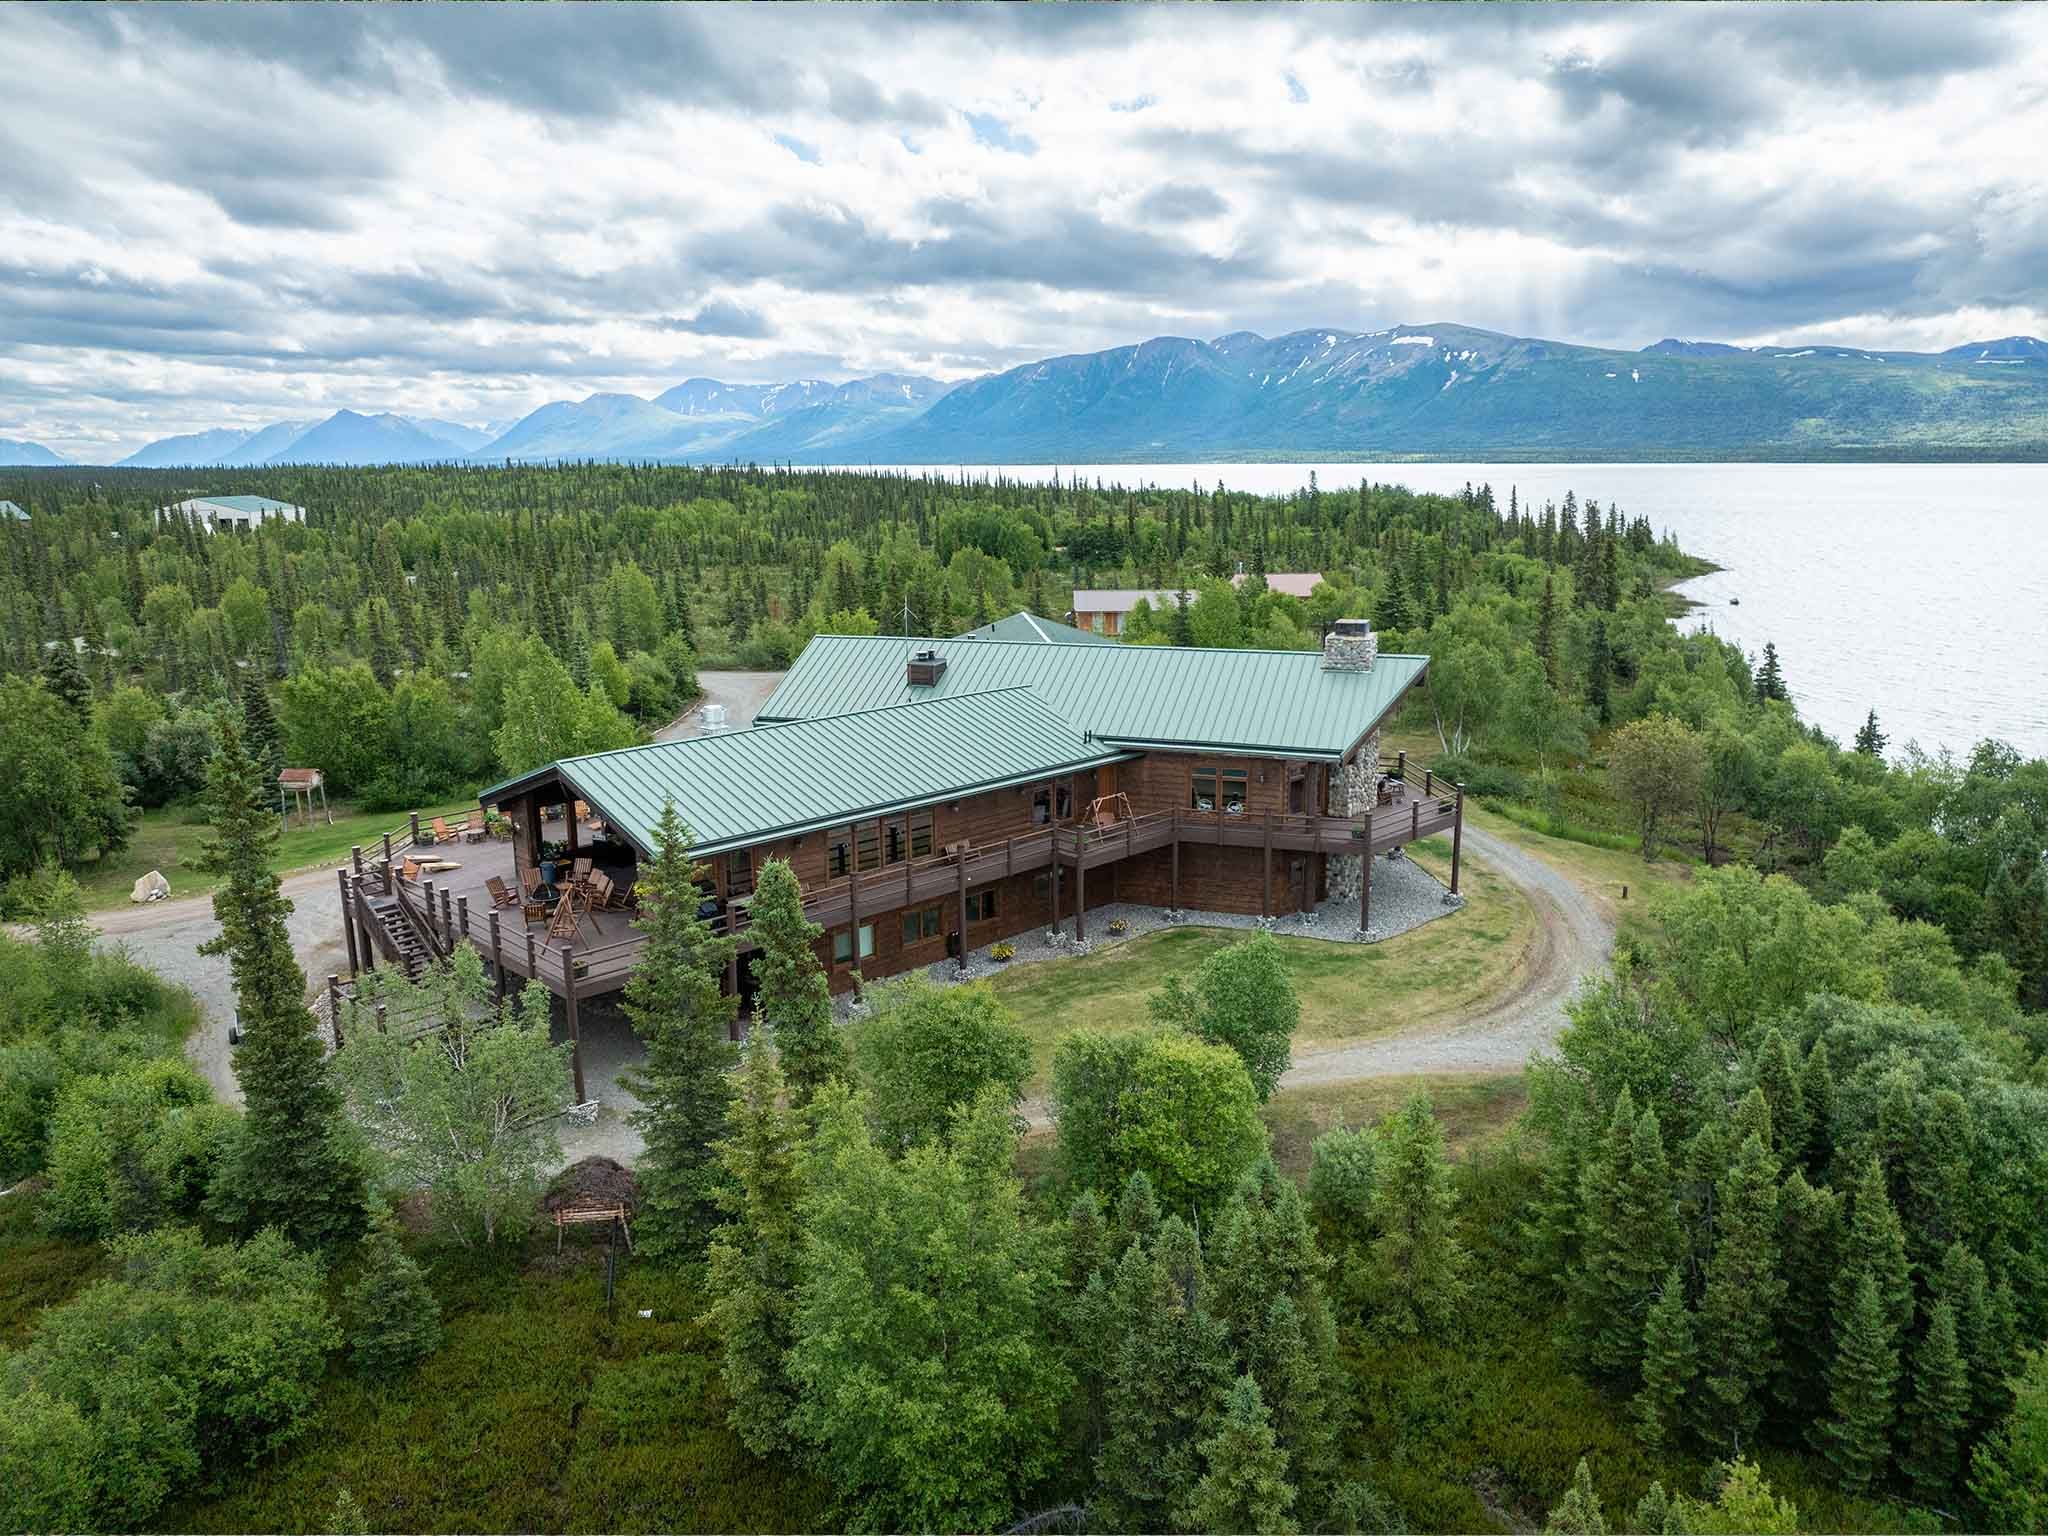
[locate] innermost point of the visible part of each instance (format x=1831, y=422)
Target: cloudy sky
x=227, y=215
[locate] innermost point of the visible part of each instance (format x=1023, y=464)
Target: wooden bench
x=586, y=1215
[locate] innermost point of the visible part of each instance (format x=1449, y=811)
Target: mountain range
x=1424, y=391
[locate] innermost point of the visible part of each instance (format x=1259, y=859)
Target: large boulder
x=151, y=887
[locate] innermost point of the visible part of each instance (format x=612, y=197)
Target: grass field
x=170, y=839
x=1349, y=992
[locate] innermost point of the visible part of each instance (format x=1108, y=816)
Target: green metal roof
x=1023, y=625
x=1270, y=703
x=9, y=509
x=251, y=504
x=776, y=781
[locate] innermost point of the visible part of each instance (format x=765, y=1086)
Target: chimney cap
x=1352, y=626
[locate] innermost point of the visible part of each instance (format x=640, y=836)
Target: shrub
x=129, y=1148
x=1002, y=952
x=394, y=1320
x=1241, y=997
x=190, y=1360
x=927, y=1049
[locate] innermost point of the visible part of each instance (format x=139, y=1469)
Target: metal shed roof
x=776, y=781
x=1023, y=625
x=1271, y=703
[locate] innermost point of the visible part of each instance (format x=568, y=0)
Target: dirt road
x=742, y=694
x=1573, y=937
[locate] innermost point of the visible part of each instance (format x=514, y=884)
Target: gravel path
x=1572, y=938
x=166, y=935
x=742, y=694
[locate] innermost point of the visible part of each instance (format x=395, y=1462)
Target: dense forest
x=1766, y=1251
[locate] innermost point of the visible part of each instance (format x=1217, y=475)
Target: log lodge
x=933, y=797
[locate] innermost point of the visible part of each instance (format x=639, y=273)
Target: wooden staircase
x=398, y=941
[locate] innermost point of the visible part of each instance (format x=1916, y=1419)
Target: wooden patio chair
x=502, y=895
x=530, y=884
x=410, y=869
x=441, y=832
x=579, y=872
x=603, y=894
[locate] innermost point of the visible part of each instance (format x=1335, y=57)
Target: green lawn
x=170, y=840
x=1475, y=1110
x=1349, y=992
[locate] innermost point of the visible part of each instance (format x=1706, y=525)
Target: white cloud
x=220, y=215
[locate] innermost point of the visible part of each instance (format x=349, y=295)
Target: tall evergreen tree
x=289, y=1163
x=1778, y=1077
x=1419, y=1264
x=1870, y=740
x=1739, y=1312
x=753, y=1260
x=1770, y=677
x=679, y=1009
x=1669, y=1362
x=1937, y=1413
x=63, y=676
x=1810, y=1240
x=1817, y=1098
x=1546, y=630
x=1244, y=1486
x=1578, y=1512
x=790, y=989
x=1875, y=1246
x=1856, y=1437
x=260, y=727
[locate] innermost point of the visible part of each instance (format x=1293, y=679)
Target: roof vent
x=1349, y=645
x=925, y=668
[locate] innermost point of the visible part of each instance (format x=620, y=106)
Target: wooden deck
x=455, y=905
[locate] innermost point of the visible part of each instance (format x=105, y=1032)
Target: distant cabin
x=233, y=514
x=1106, y=610
x=1030, y=628
x=12, y=513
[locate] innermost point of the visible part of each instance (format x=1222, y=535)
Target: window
x=981, y=904
x=1041, y=808
x=869, y=834
x=835, y=856
x=867, y=940
x=739, y=873
x=895, y=842
x=920, y=925
x=1041, y=888
x=920, y=834
x=843, y=940
x=1219, y=789
x=1063, y=802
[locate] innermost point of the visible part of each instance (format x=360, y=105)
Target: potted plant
x=551, y=854
x=1002, y=952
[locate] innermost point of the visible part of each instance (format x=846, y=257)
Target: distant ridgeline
x=1426, y=391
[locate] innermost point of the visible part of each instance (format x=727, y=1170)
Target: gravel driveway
x=742, y=694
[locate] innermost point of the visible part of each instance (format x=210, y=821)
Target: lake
x=1919, y=590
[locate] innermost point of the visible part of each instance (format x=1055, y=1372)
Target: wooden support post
x=575, y=1035
x=427, y=889
x=448, y=933
x=348, y=924
x=497, y=958
x=1415, y=821
x=960, y=863
x=532, y=958
x=462, y=916
x=1176, y=864
x=1365, y=880
x=1401, y=764
x=1457, y=837
x=732, y=984
x=1266, y=872
x=355, y=855
x=1429, y=781
x=334, y=1006
x=387, y=864
x=1055, y=882
x=1081, y=894
x=414, y=818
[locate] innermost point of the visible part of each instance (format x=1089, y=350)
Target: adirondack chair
x=579, y=872
x=410, y=869
x=501, y=894
x=603, y=894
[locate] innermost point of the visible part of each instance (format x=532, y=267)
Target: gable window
x=1218, y=789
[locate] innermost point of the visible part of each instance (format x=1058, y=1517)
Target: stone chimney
x=1350, y=646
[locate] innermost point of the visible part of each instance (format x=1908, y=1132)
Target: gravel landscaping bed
x=1404, y=896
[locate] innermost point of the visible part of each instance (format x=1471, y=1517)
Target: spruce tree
x=1578, y=1512
x=1167, y=1372
x=1770, y=678
x=753, y=1264
x=1669, y=1361
x=1244, y=1486
x=2009, y=1472
x=1600, y=672
x=1810, y=1239
x=1137, y=1217
x=1739, y=1313
x=260, y=728
x=394, y=1318
x=790, y=990
x=1870, y=740
x=1546, y=630
x=1778, y=1077
x=1856, y=1437
x=1646, y=1240
x=289, y=1163
x=63, y=676
x=679, y=1009
x=1937, y=1413
x=1419, y=1264
x=1875, y=1246
x=1817, y=1098
x=1395, y=611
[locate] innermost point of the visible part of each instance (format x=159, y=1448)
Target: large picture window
x=981, y=904
x=1219, y=789
x=920, y=925
x=843, y=944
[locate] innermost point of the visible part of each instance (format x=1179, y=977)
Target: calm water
x=1920, y=590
